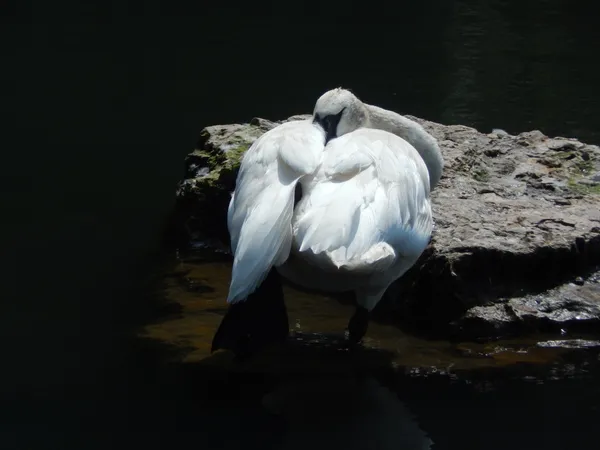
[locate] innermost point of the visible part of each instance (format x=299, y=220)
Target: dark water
x=100, y=104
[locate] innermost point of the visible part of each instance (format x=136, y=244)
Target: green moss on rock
x=576, y=186
x=481, y=175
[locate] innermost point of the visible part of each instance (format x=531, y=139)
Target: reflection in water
x=197, y=284
x=344, y=413
x=398, y=392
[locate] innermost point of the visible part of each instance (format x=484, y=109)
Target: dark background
x=101, y=101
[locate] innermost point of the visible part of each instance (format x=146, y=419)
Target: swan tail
x=378, y=258
x=258, y=322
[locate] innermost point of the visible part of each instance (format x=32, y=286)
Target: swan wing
x=261, y=207
x=369, y=204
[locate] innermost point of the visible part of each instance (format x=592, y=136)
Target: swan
x=362, y=220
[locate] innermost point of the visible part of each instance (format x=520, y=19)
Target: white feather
x=365, y=214
x=369, y=203
x=261, y=208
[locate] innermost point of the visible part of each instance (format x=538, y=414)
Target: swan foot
x=357, y=326
x=255, y=323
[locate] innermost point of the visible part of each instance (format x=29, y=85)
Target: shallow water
x=399, y=391
x=198, y=285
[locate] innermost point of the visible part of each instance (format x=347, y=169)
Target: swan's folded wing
x=371, y=203
x=261, y=208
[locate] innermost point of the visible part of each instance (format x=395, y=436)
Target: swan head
x=339, y=112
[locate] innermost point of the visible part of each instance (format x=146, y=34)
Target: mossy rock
x=210, y=173
x=514, y=215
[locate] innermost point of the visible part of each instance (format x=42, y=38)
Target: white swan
x=363, y=220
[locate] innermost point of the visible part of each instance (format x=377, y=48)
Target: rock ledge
x=516, y=245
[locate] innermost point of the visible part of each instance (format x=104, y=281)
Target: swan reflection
x=344, y=413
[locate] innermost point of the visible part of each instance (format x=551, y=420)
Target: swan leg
x=358, y=324
x=366, y=300
x=256, y=322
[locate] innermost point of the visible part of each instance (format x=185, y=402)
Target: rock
x=569, y=343
x=569, y=306
x=210, y=170
x=517, y=220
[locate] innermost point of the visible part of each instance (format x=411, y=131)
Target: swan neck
x=413, y=133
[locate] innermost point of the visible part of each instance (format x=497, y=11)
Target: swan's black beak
x=329, y=124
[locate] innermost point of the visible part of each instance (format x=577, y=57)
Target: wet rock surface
x=567, y=307
x=516, y=245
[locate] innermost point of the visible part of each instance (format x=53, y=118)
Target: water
x=102, y=102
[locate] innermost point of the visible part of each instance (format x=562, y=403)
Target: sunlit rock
x=516, y=245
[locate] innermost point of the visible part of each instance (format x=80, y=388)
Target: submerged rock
x=517, y=229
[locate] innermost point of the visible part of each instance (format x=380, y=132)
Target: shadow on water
x=399, y=391
x=106, y=103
